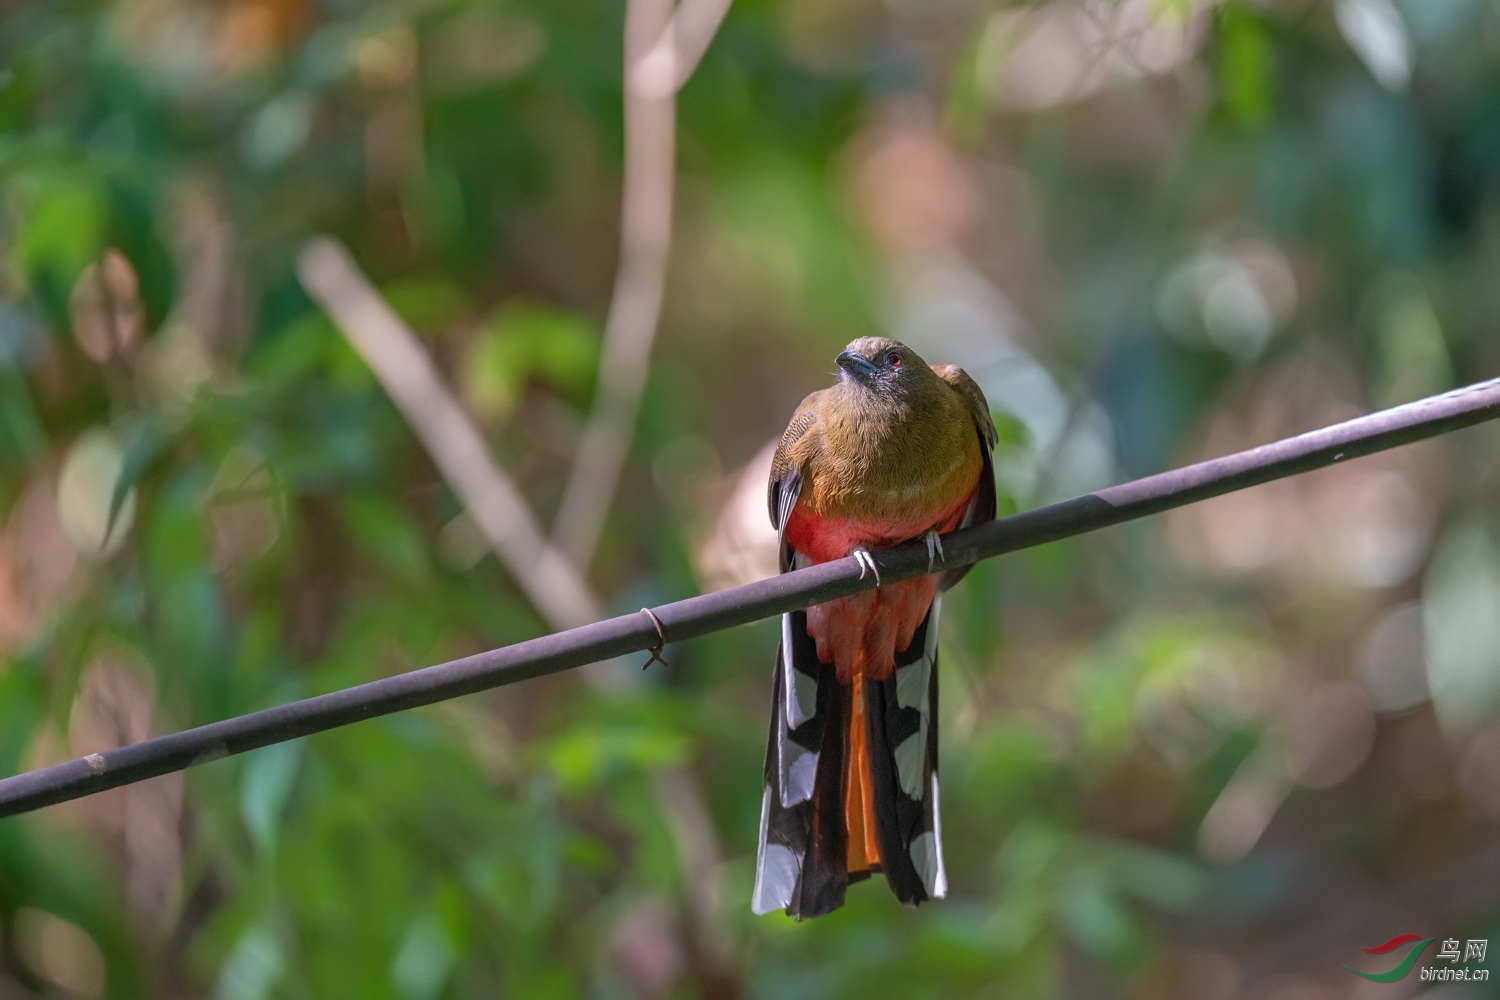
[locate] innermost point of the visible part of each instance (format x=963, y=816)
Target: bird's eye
x=893, y=359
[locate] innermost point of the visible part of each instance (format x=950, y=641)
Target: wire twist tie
x=661, y=640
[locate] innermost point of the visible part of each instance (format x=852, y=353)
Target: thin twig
x=662, y=48
x=391, y=350
x=750, y=602
x=670, y=62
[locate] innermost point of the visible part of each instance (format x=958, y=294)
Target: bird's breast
x=822, y=538
x=903, y=480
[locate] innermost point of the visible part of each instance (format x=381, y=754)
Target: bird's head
x=882, y=365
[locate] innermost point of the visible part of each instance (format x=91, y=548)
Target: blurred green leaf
x=64, y=223
x=523, y=341
x=1246, y=69
x=424, y=961
x=588, y=755
x=265, y=788
x=386, y=532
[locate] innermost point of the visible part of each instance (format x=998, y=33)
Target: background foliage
x=1208, y=756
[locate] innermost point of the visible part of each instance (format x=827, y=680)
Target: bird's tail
x=851, y=779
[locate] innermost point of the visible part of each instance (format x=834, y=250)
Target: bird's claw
x=866, y=562
x=934, y=547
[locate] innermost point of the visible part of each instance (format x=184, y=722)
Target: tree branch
x=391, y=350
x=662, y=48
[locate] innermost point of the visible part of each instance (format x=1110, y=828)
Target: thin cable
x=739, y=605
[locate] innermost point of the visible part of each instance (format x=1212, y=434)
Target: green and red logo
x=1400, y=971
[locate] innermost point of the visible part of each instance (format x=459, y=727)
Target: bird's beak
x=855, y=365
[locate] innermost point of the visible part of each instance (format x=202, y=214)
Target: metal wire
x=738, y=605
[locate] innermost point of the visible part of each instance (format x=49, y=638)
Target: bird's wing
x=973, y=398
x=801, y=864
x=786, y=476
x=983, y=506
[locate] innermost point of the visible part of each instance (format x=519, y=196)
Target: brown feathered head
x=884, y=366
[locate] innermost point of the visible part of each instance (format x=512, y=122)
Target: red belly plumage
x=862, y=634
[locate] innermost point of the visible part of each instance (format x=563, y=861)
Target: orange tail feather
x=859, y=790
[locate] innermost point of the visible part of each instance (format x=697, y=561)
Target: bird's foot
x=866, y=562
x=934, y=547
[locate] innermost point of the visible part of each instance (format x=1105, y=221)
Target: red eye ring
x=893, y=359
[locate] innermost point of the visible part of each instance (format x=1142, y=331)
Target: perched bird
x=894, y=451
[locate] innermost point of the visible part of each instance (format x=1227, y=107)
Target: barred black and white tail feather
x=795, y=756
x=802, y=862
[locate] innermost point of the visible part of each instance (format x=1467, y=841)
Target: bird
x=895, y=450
